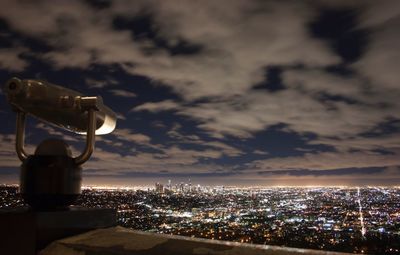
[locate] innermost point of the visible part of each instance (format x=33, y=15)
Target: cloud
x=236, y=41
x=375, y=14
x=76, y=41
x=334, y=172
x=316, y=81
x=237, y=45
x=196, y=140
x=328, y=161
x=386, y=142
x=172, y=159
x=10, y=59
x=166, y=105
x=122, y=93
x=51, y=131
x=127, y=135
x=380, y=62
x=8, y=156
x=245, y=115
x=120, y=116
x=260, y=152
x=174, y=133
x=95, y=83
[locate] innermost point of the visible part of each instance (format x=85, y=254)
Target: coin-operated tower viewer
x=50, y=179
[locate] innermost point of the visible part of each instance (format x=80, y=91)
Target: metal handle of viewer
x=20, y=134
x=90, y=138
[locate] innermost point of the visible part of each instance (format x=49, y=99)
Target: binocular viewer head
x=59, y=106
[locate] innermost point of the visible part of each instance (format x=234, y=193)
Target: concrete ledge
x=119, y=240
x=35, y=230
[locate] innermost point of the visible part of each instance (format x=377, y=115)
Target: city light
x=347, y=219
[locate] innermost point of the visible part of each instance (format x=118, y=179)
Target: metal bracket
x=90, y=138
x=88, y=104
x=20, y=136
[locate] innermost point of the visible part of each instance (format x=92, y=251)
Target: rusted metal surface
x=119, y=240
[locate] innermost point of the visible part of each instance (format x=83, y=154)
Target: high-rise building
x=159, y=188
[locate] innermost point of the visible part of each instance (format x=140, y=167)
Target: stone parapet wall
x=119, y=240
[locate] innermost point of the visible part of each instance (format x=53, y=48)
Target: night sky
x=234, y=92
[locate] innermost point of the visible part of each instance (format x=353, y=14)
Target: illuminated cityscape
x=254, y=122
x=359, y=220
